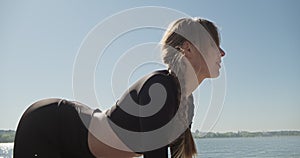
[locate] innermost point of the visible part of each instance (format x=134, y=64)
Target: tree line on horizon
x=198, y=134
x=8, y=136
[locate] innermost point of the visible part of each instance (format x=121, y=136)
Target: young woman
x=57, y=128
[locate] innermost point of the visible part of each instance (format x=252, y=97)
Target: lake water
x=275, y=147
x=6, y=150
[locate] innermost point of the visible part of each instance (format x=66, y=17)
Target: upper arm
x=164, y=115
x=139, y=95
x=169, y=106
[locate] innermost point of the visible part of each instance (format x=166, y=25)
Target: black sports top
x=139, y=92
x=65, y=122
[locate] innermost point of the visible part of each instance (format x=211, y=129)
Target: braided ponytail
x=184, y=146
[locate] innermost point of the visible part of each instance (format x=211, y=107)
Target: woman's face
x=206, y=64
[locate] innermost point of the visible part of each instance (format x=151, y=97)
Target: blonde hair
x=184, y=146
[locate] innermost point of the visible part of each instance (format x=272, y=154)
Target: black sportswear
x=53, y=127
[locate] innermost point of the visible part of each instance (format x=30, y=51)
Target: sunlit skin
x=100, y=149
x=206, y=65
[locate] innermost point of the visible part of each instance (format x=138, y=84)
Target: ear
x=186, y=46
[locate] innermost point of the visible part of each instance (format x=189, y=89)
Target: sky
x=39, y=42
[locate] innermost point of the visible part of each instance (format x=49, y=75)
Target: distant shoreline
x=244, y=134
x=8, y=136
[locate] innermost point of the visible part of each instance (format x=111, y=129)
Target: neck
x=200, y=79
x=188, y=79
x=191, y=83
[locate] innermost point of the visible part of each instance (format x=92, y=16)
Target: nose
x=222, y=52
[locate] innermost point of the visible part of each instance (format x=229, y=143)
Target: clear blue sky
x=39, y=42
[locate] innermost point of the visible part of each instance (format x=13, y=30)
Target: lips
x=219, y=64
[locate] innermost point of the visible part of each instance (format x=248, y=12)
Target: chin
x=215, y=75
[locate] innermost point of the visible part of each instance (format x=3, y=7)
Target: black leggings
x=53, y=128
